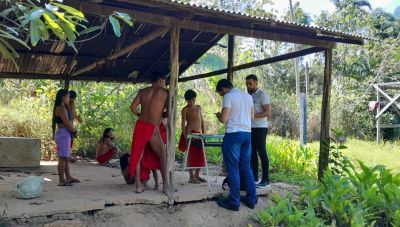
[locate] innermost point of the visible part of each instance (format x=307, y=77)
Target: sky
x=314, y=7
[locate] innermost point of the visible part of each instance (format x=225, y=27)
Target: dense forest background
x=26, y=105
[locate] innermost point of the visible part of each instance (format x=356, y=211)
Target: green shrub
x=370, y=196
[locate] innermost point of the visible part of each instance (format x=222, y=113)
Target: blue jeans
x=236, y=149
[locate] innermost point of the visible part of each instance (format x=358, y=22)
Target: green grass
x=371, y=154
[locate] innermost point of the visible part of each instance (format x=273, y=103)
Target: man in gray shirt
x=259, y=130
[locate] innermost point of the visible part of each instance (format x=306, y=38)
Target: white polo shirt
x=260, y=98
x=241, y=105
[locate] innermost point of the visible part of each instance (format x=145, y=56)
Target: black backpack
x=225, y=183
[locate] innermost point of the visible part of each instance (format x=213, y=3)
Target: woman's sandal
x=202, y=180
x=194, y=181
x=65, y=184
x=73, y=180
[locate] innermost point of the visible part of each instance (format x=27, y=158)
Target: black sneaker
x=227, y=204
x=263, y=184
x=246, y=202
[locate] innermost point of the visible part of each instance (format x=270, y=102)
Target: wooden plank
x=173, y=88
x=325, y=117
x=385, y=95
x=231, y=47
x=394, y=99
x=389, y=84
x=388, y=126
x=256, y=63
x=133, y=46
x=31, y=76
x=186, y=23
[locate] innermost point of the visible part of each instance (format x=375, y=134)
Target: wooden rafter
x=133, y=46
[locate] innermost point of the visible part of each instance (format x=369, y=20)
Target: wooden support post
x=231, y=47
x=66, y=82
x=325, y=116
x=173, y=87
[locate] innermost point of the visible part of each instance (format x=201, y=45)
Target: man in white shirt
x=237, y=113
x=259, y=130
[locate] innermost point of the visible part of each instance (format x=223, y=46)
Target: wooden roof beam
x=256, y=63
x=156, y=33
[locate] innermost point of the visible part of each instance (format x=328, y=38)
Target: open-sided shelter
x=170, y=36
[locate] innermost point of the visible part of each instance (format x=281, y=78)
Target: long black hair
x=59, y=99
x=106, y=131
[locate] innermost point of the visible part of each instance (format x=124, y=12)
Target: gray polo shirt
x=260, y=98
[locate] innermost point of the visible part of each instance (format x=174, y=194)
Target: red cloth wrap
x=141, y=137
x=196, y=153
x=106, y=156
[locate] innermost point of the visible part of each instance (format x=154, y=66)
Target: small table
x=207, y=140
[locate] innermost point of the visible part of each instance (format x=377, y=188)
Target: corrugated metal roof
x=265, y=19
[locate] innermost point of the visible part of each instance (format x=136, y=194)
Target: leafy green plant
x=283, y=211
x=52, y=21
x=338, y=162
x=368, y=196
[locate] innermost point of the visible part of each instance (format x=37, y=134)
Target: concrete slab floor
x=100, y=187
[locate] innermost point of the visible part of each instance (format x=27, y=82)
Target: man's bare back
x=153, y=101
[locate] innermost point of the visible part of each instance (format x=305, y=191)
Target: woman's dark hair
x=190, y=94
x=106, y=131
x=223, y=83
x=72, y=94
x=59, y=99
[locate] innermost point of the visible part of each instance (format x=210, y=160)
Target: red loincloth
x=196, y=153
x=150, y=159
x=106, y=156
x=141, y=137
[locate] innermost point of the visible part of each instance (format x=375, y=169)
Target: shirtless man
x=153, y=103
x=192, y=122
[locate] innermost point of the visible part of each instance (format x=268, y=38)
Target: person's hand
x=74, y=134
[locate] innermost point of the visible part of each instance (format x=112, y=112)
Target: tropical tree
x=26, y=23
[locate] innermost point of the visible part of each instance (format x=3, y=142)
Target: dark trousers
x=258, y=148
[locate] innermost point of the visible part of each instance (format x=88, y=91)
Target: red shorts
x=106, y=156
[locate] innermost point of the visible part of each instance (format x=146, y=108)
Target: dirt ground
x=103, y=199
